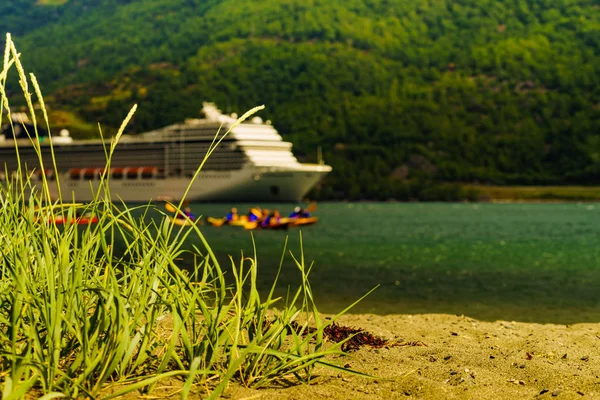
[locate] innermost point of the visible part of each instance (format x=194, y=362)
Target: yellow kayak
x=183, y=222
x=222, y=221
x=250, y=225
x=284, y=223
x=215, y=221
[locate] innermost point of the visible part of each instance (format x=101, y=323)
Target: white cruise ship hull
x=271, y=184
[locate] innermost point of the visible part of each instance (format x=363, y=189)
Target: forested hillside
x=405, y=97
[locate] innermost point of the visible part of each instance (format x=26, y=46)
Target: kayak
x=183, y=221
x=215, y=221
x=283, y=224
x=303, y=221
x=222, y=221
x=59, y=220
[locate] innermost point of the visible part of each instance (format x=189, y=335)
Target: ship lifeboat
x=92, y=173
x=85, y=173
x=116, y=173
x=74, y=173
x=48, y=173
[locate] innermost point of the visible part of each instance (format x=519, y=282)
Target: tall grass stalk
x=79, y=319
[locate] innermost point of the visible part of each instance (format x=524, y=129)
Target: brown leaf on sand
x=358, y=337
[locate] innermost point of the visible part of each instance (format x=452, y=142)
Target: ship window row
x=140, y=172
x=35, y=175
x=117, y=173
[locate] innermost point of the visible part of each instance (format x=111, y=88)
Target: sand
x=457, y=357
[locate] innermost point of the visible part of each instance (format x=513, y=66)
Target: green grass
x=79, y=319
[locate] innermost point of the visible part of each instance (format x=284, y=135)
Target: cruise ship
x=251, y=164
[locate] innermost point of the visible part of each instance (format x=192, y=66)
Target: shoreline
x=456, y=357
x=536, y=194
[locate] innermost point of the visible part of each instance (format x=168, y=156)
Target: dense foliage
x=406, y=98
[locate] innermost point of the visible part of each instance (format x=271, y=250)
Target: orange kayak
x=59, y=220
x=303, y=221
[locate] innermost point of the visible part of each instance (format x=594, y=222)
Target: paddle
x=169, y=207
x=312, y=207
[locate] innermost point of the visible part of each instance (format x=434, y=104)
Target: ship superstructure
x=252, y=163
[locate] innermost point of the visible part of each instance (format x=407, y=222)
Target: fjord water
x=521, y=262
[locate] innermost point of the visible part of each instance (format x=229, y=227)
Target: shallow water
x=522, y=262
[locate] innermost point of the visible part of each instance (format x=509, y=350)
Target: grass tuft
x=80, y=319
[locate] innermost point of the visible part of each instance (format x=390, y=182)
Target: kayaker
x=232, y=215
x=273, y=218
x=299, y=212
x=187, y=212
x=255, y=214
x=276, y=216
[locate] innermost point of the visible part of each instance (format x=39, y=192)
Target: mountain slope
x=401, y=95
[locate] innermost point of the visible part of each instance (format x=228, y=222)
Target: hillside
x=406, y=98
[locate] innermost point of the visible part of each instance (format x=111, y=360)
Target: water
x=522, y=262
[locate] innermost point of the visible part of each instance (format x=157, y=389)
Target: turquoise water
x=522, y=262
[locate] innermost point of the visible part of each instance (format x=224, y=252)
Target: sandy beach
x=457, y=357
